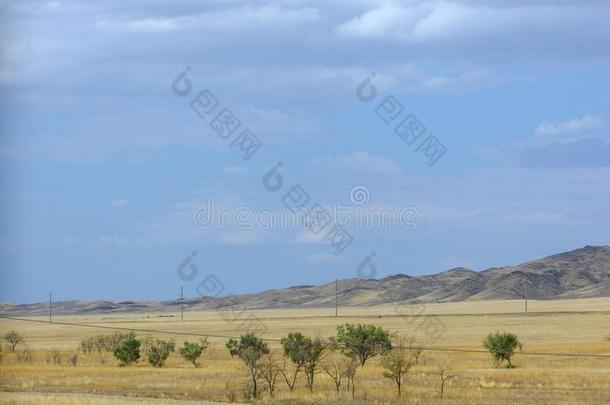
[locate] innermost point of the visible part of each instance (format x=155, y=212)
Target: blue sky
x=103, y=167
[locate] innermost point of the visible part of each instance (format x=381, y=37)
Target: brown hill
x=581, y=273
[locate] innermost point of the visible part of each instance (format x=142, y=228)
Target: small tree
x=397, y=364
x=159, y=351
x=13, y=339
x=305, y=353
x=335, y=366
x=444, y=376
x=414, y=347
x=249, y=348
x=192, y=351
x=362, y=341
x=270, y=370
x=99, y=343
x=295, y=348
x=127, y=351
x=501, y=346
x=351, y=367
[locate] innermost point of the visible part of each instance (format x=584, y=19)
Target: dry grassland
x=570, y=326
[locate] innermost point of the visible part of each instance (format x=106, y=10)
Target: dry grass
x=577, y=326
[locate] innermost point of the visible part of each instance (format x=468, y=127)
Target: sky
x=112, y=147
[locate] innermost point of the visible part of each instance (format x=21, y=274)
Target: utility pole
x=50, y=307
x=336, y=298
x=181, y=304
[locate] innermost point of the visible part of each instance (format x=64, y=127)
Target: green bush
x=127, y=351
x=501, y=346
x=192, y=351
x=159, y=350
x=362, y=341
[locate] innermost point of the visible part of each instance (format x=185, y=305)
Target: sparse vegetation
x=192, y=351
x=270, y=370
x=127, y=349
x=362, y=341
x=335, y=367
x=13, y=339
x=54, y=357
x=99, y=343
x=249, y=349
x=218, y=378
x=305, y=353
x=74, y=359
x=501, y=346
x=396, y=364
x=158, y=352
x=24, y=355
x=445, y=376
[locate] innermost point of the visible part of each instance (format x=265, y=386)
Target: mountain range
x=580, y=273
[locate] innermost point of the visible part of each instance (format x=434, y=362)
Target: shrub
x=74, y=359
x=250, y=349
x=305, y=353
x=192, y=351
x=13, y=339
x=24, y=355
x=335, y=367
x=501, y=346
x=396, y=364
x=362, y=341
x=127, y=351
x=159, y=351
x=99, y=343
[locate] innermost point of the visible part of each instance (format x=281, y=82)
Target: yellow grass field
x=550, y=327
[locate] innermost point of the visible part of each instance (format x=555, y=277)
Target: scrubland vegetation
x=317, y=359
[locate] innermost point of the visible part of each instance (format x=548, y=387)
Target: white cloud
x=486, y=30
x=240, y=18
x=586, y=123
x=119, y=203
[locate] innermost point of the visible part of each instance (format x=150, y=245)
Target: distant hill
x=581, y=273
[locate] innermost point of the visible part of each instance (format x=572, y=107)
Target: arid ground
x=542, y=375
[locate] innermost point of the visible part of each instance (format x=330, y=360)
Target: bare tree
x=413, y=346
x=397, y=364
x=13, y=339
x=351, y=367
x=270, y=370
x=290, y=373
x=444, y=376
x=335, y=367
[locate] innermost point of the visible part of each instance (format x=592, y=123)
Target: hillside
x=581, y=273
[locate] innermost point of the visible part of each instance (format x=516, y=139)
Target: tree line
x=303, y=357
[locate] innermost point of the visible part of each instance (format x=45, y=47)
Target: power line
x=437, y=349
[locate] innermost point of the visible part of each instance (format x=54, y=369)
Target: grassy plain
x=550, y=327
